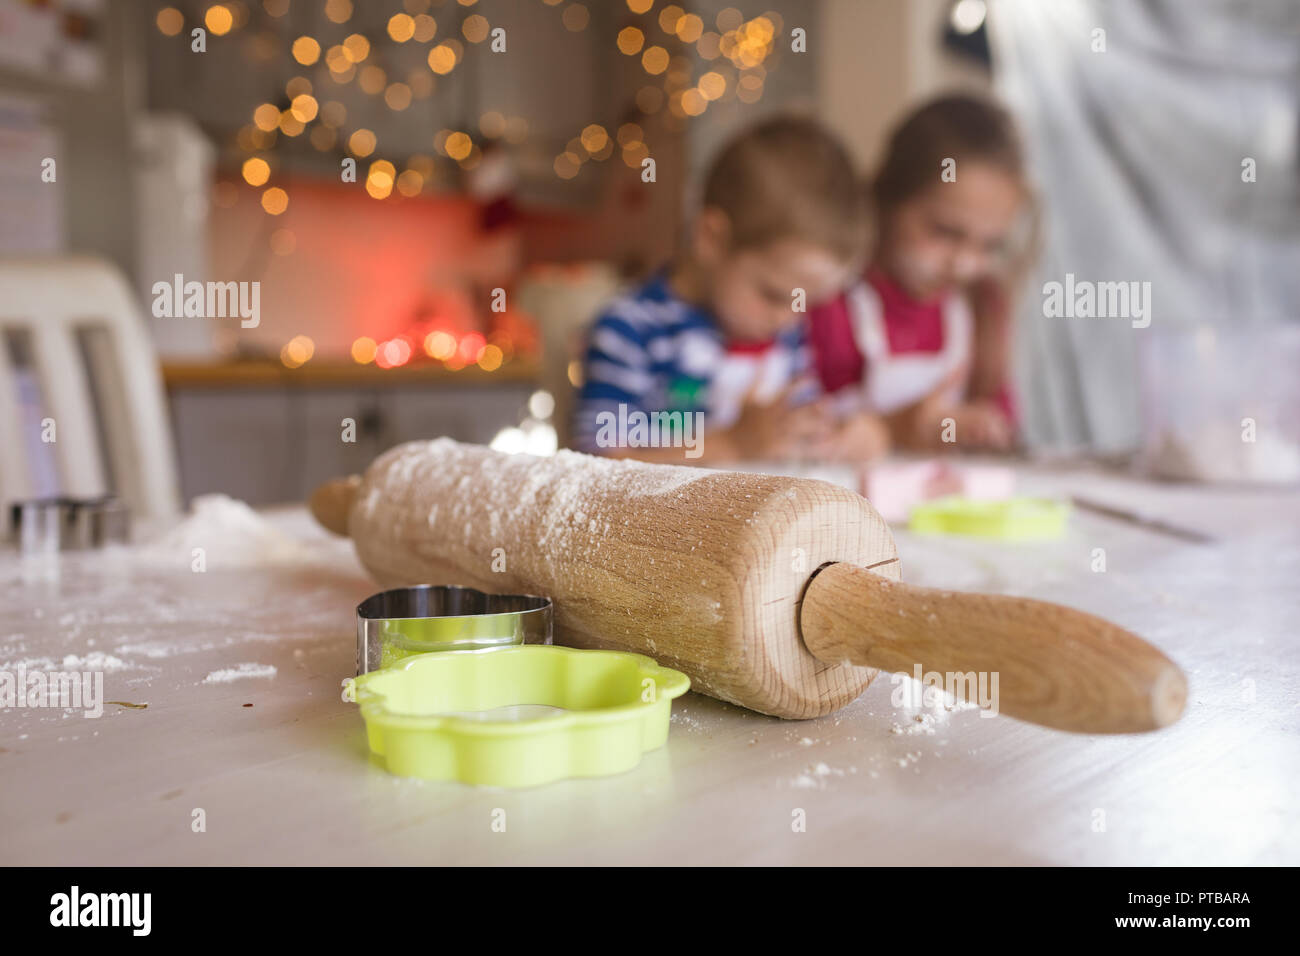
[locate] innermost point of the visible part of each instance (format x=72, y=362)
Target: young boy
x=708, y=362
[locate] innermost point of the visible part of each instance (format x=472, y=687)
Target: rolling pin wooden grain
x=778, y=594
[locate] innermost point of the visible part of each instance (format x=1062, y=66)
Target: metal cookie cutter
x=46, y=525
x=396, y=624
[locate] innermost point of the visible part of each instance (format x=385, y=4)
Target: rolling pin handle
x=1055, y=666
x=331, y=503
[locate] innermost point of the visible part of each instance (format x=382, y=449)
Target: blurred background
x=498, y=145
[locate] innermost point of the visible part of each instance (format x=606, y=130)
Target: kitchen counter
x=333, y=373
x=241, y=665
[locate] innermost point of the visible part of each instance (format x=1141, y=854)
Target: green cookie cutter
x=1013, y=519
x=425, y=716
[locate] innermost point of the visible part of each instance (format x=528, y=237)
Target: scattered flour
x=94, y=661
x=230, y=534
x=239, y=672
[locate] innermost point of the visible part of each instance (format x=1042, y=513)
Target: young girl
x=923, y=336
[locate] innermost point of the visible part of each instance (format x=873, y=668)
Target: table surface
x=287, y=780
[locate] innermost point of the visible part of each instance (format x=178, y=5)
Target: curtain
x=1137, y=138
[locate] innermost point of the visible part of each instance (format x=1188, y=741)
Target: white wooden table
x=288, y=780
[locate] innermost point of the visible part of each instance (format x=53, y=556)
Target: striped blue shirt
x=653, y=352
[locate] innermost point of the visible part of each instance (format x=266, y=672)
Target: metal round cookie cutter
x=396, y=624
x=45, y=525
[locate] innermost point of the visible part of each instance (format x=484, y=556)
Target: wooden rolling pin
x=777, y=594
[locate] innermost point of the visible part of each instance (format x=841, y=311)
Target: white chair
x=93, y=363
x=564, y=305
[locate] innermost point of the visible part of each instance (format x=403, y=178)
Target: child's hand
x=860, y=438
x=983, y=425
x=775, y=430
x=975, y=425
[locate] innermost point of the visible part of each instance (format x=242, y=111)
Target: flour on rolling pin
x=561, y=487
x=776, y=593
x=690, y=566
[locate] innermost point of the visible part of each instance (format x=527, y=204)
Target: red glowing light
x=393, y=353
x=471, y=347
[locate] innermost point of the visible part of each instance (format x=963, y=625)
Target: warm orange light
x=475, y=28
x=689, y=28
x=379, y=180
x=640, y=6
x=729, y=19
x=442, y=59
x=425, y=28
x=401, y=27
x=170, y=21
x=630, y=133
x=594, y=138
x=275, y=200
x=669, y=16
x=373, y=79
x=630, y=41
x=361, y=143
x=364, y=350
x=338, y=11
x=712, y=85
x=458, y=146
x=397, y=96
x=266, y=117
x=490, y=359
x=654, y=60
x=760, y=29
x=306, y=50
x=337, y=59
x=256, y=171
x=566, y=166
x=290, y=125
x=635, y=153
x=304, y=108
x=219, y=20
x=693, y=102
x=440, y=345
x=410, y=183
x=298, y=351
x=356, y=47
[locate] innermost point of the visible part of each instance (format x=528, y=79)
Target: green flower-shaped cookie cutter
x=1014, y=519
x=425, y=716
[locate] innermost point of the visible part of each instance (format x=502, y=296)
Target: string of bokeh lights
x=736, y=54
